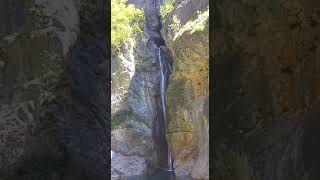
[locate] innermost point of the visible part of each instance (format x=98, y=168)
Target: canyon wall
x=53, y=102
x=138, y=134
x=137, y=113
x=186, y=33
x=265, y=89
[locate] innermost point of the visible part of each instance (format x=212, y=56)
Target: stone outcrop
x=265, y=88
x=186, y=33
x=138, y=135
x=53, y=102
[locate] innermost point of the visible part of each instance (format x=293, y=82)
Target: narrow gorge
x=140, y=76
x=160, y=93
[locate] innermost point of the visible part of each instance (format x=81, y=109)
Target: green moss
x=179, y=95
x=124, y=115
x=119, y=117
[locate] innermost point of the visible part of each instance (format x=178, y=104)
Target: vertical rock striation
x=185, y=30
x=138, y=133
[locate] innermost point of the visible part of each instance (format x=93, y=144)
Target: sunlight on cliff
x=191, y=26
x=129, y=63
x=122, y=77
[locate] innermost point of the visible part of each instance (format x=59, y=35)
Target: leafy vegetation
x=126, y=21
x=176, y=24
x=166, y=9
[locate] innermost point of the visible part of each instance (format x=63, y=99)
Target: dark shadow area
x=264, y=123
x=311, y=145
x=72, y=137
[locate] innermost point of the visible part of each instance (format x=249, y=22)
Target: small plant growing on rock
x=167, y=8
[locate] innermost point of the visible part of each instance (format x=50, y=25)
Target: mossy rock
x=124, y=115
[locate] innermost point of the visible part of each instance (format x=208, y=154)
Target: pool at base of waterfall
x=163, y=175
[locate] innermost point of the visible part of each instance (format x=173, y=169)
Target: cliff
x=265, y=88
x=186, y=33
x=53, y=84
x=138, y=134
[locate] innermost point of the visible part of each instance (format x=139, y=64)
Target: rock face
x=186, y=34
x=53, y=102
x=265, y=89
x=138, y=133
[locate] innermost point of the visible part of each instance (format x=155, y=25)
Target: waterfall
x=163, y=102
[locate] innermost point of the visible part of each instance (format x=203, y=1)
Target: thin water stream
x=163, y=103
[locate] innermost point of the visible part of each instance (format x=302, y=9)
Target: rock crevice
x=138, y=124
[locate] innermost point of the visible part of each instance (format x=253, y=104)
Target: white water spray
x=163, y=102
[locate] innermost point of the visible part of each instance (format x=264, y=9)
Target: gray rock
x=138, y=126
x=127, y=165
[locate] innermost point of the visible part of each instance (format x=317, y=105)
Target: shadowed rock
x=54, y=81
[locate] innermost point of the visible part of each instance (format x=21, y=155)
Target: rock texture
x=53, y=102
x=186, y=34
x=265, y=87
x=138, y=133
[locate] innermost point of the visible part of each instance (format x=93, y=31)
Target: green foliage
x=120, y=117
x=166, y=9
x=176, y=24
x=126, y=21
